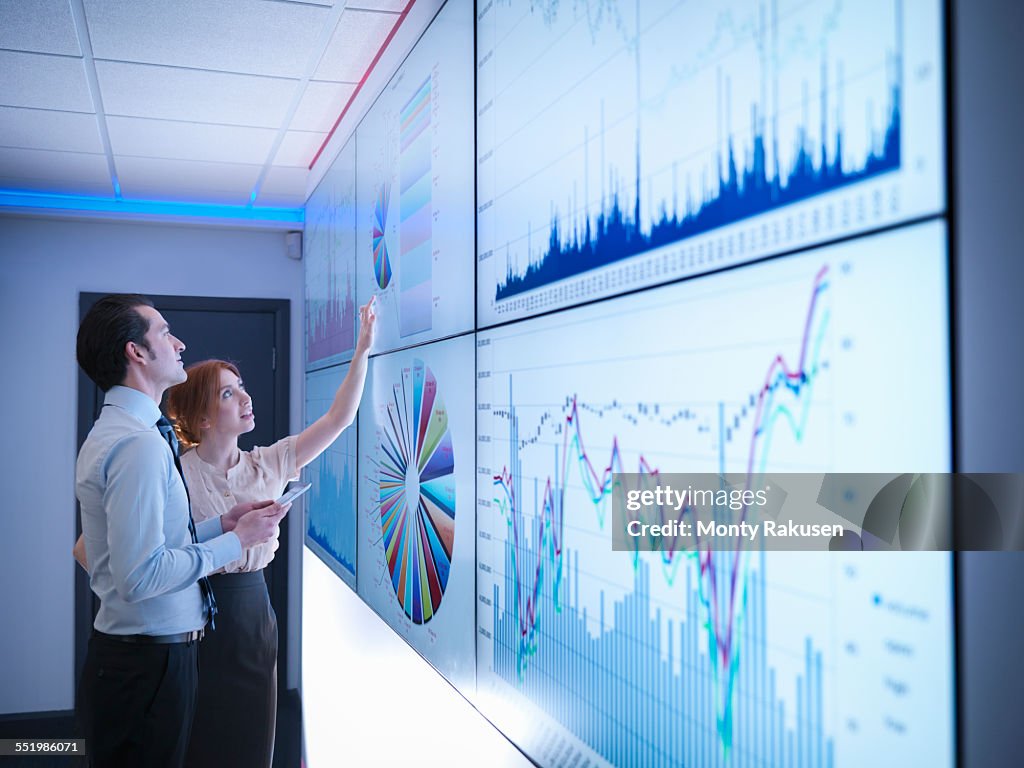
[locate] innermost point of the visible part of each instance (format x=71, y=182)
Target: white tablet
x=293, y=493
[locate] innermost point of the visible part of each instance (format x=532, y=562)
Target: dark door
x=253, y=334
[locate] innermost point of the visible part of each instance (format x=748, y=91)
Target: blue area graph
x=747, y=186
x=679, y=137
x=328, y=526
x=329, y=256
x=331, y=507
x=639, y=700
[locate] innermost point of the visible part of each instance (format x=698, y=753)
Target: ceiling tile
x=356, y=40
x=378, y=5
x=284, y=180
x=60, y=186
x=58, y=167
x=320, y=106
x=298, y=148
x=47, y=129
x=280, y=200
x=163, y=190
x=145, y=178
x=140, y=90
x=189, y=141
x=44, y=82
x=46, y=26
x=246, y=36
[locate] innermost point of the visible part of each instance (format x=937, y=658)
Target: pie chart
x=416, y=483
x=381, y=258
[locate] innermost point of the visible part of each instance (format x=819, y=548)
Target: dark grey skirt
x=236, y=713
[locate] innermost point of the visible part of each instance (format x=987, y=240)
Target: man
x=137, y=694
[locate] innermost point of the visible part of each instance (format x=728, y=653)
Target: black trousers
x=136, y=703
x=236, y=713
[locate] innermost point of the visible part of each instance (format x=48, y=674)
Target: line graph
x=738, y=657
x=329, y=253
x=331, y=507
x=758, y=409
x=802, y=135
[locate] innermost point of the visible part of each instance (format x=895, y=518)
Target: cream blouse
x=260, y=474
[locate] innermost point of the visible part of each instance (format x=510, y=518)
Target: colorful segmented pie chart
x=417, y=492
x=381, y=259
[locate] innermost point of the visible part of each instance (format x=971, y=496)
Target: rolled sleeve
x=278, y=460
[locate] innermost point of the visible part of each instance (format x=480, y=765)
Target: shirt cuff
x=209, y=529
x=225, y=549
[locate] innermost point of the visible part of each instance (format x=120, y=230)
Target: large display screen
x=417, y=502
x=621, y=144
x=331, y=506
x=826, y=361
x=710, y=238
x=414, y=158
x=329, y=251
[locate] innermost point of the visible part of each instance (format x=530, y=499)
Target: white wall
x=44, y=265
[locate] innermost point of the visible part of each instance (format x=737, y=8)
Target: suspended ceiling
x=201, y=101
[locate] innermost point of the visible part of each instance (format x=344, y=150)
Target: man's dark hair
x=108, y=325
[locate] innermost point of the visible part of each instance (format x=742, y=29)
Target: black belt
x=181, y=637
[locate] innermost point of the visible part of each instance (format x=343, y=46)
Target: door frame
x=281, y=309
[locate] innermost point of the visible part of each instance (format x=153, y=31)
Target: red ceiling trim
x=362, y=81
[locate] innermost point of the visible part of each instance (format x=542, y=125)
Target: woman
x=236, y=709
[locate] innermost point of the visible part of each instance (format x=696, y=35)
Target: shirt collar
x=135, y=402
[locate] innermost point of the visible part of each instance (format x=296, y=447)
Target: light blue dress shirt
x=143, y=565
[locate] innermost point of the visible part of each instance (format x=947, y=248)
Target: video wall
x=683, y=238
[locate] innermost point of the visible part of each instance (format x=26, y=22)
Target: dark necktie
x=209, y=602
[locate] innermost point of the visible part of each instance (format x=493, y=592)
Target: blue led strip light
x=100, y=205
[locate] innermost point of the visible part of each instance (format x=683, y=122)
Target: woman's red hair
x=191, y=401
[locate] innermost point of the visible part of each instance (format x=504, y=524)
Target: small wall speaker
x=293, y=245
